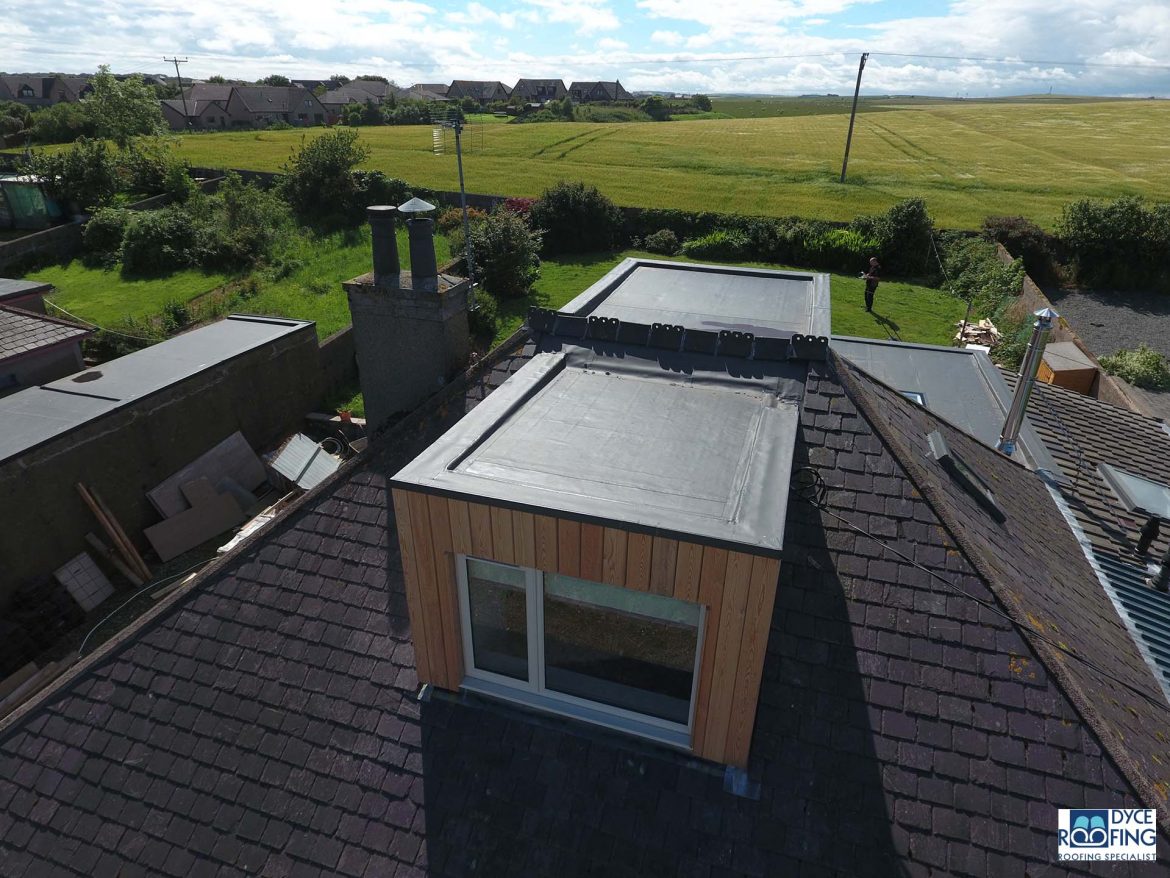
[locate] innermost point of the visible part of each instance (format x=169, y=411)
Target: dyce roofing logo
x=1107, y=834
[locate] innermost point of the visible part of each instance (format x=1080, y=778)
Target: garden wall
x=59, y=242
x=338, y=362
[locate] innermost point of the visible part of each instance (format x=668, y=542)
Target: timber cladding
x=738, y=590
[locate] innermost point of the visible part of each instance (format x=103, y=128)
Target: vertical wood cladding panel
x=737, y=589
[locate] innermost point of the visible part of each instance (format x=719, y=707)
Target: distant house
x=483, y=92
x=253, y=106
x=436, y=88
x=198, y=115
x=35, y=349
x=360, y=91
x=257, y=106
x=584, y=92
x=423, y=92
x=34, y=90
x=538, y=91
x=77, y=87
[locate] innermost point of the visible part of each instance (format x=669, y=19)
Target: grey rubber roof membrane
x=688, y=446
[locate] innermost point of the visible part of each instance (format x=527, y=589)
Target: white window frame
x=532, y=692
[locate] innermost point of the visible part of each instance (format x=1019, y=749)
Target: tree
x=656, y=108
x=319, y=181
x=576, y=219
x=62, y=123
x=14, y=118
x=276, y=79
x=701, y=102
x=123, y=110
x=85, y=174
x=507, y=253
x=373, y=77
x=217, y=80
x=337, y=80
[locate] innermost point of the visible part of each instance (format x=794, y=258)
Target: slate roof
x=23, y=332
x=264, y=719
x=599, y=91
x=1083, y=433
x=274, y=98
x=480, y=90
x=530, y=89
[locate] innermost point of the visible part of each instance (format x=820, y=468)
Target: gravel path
x=1108, y=322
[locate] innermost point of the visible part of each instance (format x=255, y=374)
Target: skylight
x=1136, y=493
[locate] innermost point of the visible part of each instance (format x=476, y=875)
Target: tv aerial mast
x=453, y=120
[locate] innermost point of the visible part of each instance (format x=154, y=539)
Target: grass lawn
x=968, y=159
x=901, y=311
x=312, y=291
x=103, y=296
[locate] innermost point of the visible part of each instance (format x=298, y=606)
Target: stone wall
x=338, y=363
x=59, y=242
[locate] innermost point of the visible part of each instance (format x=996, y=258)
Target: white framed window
x=624, y=659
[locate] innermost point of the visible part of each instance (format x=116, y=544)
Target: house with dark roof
x=36, y=349
x=539, y=91
x=435, y=88
x=33, y=90
x=201, y=115
x=482, y=92
x=933, y=671
x=587, y=92
x=256, y=106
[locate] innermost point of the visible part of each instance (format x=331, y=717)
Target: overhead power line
x=1045, y=63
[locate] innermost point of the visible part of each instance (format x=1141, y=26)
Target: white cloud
x=476, y=14
x=610, y=44
x=585, y=16
x=667, y=37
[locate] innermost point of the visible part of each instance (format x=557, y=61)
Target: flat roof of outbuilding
x=39, y=414
x=11, y=288
x=768, y=303
x=690, y=446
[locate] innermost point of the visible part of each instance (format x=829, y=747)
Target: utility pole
x=853, y=114
x=187, y=119
x=458, y=126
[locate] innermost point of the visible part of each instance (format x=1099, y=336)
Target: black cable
x=1024, y=61
x=814, y=495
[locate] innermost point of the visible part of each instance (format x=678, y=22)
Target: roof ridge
x=1052, y=660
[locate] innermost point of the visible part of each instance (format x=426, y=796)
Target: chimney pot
x=385, y=245
x=1045, y=318
x=424, y=272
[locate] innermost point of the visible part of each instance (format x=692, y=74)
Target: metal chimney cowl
x=1045, y=319
x=385, y=245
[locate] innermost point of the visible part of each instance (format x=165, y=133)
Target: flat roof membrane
x=710, y=297
x=578, y=431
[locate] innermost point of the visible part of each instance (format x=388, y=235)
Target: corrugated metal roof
x=303, y=462
x=1145, y=610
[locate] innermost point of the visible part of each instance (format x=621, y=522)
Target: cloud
x=609, y=43
x=667, y=37
x=585, y=16
x=477, y=14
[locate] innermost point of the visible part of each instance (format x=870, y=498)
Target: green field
x=103, y=296
x=968, y=159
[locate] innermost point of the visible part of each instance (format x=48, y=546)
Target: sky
x=1101, y=47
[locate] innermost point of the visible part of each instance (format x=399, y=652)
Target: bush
x=1026, y=240
x=122, y=337
x=153, y=169
x=103, y=235
x=482, y=321
x=1121, y=243
x=723, y=244
x=62, y=123
x=246, y=225
x=451, y=218
x=160, y=241
x=1141, y=367
x=843, y=250
x=906, y=234
x=319, y=183
x=507, y=254
x=576, y=218
x=522, y=206
x=594, y=113
x=86, y=174
x=176, y=315
x=374, y=187
x=663, y=241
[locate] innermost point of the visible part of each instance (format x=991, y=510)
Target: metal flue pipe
x=1045, y=318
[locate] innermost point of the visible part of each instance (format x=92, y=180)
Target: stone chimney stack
x=409, y=327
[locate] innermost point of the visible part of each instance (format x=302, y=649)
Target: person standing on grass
x=872, y=279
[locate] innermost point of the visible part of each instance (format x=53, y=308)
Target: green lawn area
x=103, y=296
x=312, y=291
x=968, y=159
x=901, y=310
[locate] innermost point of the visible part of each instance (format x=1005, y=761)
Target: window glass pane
x=618, y=647
x=499, y=619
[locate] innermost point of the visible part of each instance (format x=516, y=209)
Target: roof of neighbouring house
x=479, y=89
x=11, y=288
x=23, y=333
x=1084, y=433
x=911, y=717
x=273, y=98
x=39, y=414
x=194, y=108
x=613, y=91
